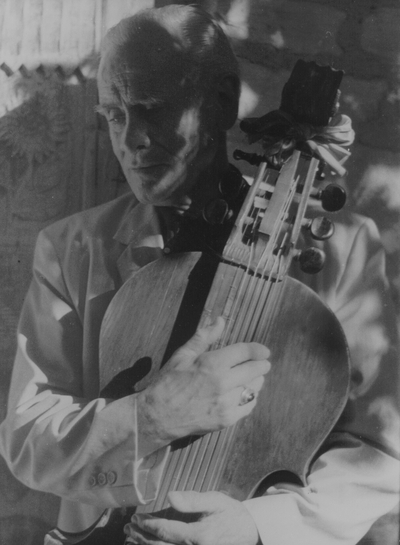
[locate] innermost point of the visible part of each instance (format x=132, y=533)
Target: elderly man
x=169, y=87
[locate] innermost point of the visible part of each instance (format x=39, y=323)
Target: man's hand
x=224, y=521
x=197, y=392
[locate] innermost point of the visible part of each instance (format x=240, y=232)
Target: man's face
x=162, y=135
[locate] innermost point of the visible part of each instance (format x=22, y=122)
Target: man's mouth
x=149, y=166
x=151, y=171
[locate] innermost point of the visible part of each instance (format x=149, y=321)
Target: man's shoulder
x=101, y=221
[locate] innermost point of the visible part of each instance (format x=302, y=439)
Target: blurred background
x=55, y=158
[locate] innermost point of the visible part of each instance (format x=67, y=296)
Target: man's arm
x=57, y=438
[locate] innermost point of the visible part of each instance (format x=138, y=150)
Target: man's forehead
x=140, y=74
x=133, y=87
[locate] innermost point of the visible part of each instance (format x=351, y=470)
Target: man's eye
x=116, y=117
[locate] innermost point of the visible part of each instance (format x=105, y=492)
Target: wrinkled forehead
x=145, y=67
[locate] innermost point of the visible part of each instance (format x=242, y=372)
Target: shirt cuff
x=348, y=489
x=148, y=471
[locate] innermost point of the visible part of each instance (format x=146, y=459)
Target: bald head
x=173, y=38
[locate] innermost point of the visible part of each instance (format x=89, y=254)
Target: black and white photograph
x=199, y=272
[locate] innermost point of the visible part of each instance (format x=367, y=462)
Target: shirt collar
x=140, y=226
x=140, y=231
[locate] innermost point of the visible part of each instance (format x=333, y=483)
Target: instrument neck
x=206, y=229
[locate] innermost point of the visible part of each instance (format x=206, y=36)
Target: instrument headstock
x=311, y=94
x=309, y=100
x=297, y=140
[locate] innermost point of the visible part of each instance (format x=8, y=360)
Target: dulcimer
x=251, y=287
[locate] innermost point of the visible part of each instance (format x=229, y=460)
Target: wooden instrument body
x=303, y=395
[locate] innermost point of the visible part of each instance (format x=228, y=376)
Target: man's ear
x=228, y=101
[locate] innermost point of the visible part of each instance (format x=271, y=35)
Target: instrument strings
x=251, y=301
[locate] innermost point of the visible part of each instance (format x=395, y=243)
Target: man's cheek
x=115, y=145
x=189, y=125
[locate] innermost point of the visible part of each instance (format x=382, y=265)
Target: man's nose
x=135, y=135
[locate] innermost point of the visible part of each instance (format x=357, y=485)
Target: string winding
x=280, y=134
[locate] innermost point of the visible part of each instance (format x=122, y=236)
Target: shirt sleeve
x=54, y=438
x=348, y=489
x=356, y=478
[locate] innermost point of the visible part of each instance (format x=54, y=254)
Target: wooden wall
x=55, y=158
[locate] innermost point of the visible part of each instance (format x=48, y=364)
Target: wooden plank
x=70, y=33
x=76, y=145
x=50, y=30
x=4, y=92
x=98, y=22
x=107, y=170
x=89, y=181
x=69, y=21
x=31, y=20
x=87, y=30
x=12, y=32
x=112, y=13
x=2, y=14
x=118, y=9
x=132, y=6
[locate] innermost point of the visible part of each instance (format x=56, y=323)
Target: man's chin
x=157, y=192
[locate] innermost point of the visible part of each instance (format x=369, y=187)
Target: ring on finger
x=246, y=396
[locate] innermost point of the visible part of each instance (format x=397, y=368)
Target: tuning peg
x=320, y=175
x=332, y=197
x=252, y=158
x=311, y=260
x=321, y=228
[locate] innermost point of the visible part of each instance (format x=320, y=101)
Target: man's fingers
x=170, y=531
x=151, y=530
x=228, y=356
x=238, y=408
x=194, y=502
x=240, y=411
x=236, y=354
x=137, y=535
x=202, y=339
x=244, y=374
